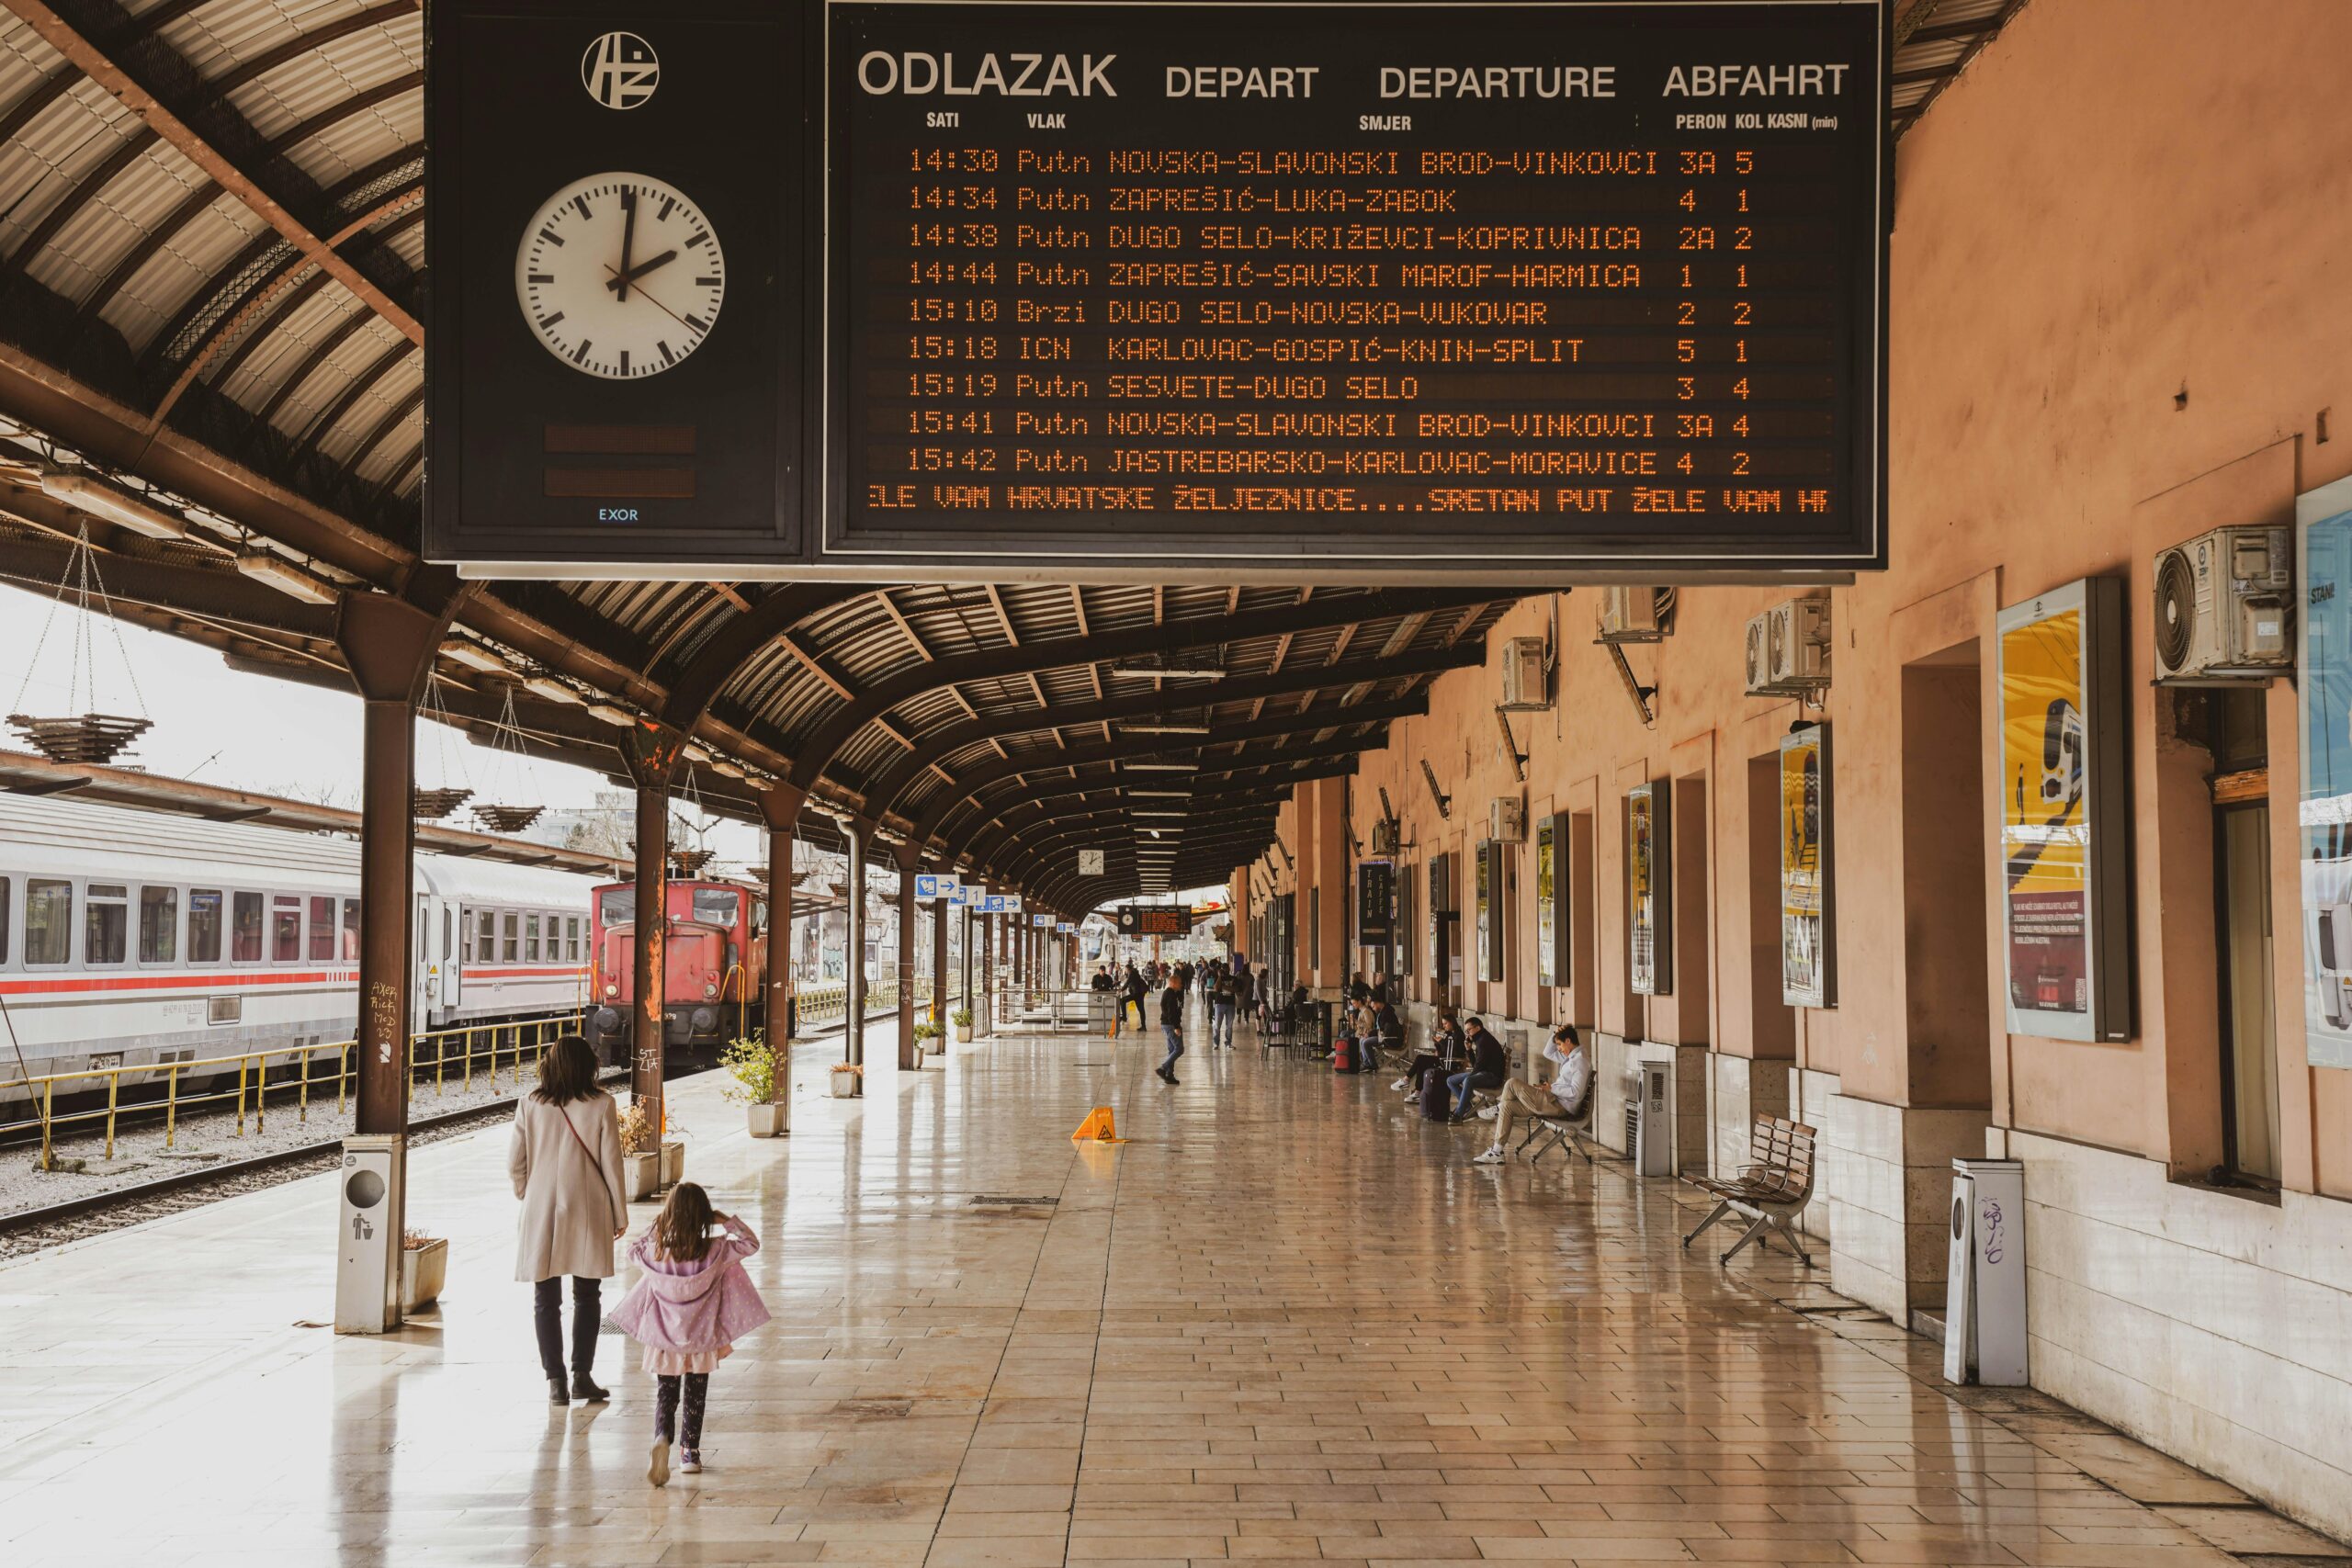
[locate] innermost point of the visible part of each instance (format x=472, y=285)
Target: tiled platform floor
x=1286, y=1321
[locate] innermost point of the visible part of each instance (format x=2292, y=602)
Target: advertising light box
x=1397, y=292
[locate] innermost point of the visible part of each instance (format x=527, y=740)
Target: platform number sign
x=620, y=71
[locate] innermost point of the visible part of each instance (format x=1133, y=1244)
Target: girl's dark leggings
x=666, y=1421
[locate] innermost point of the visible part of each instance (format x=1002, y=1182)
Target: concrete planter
x=935, y=1045
x=673, y=1164
x=963, y=1033
x=765, y=1121
x=848, y=1083
x=641, y=1175
x=422, y=1274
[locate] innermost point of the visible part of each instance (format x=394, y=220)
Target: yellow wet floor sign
x=1099, y=1127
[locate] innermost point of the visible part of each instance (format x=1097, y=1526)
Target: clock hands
x=656, y=303
x=628, y=237
x=625, y=275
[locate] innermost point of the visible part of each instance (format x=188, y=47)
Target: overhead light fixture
x=473, y=656
x=1161, y=767
x=694, y=753
x=1176, y=814
x=553, y=689
x=89, y=493
x=721, y=765
x=1160, y=794
x=1163, y=729
x=286, y=577
x=619, y=718
x=1144, y=670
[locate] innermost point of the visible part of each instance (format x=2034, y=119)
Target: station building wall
x=2122, y=301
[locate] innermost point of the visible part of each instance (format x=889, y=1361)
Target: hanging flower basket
x=432, y=805
x=691, y=861
x=93, y=737
x=507, y=818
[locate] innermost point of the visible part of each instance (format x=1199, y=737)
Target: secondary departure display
x=1547, y=287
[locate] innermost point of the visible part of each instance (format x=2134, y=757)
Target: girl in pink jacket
x=689, y=1307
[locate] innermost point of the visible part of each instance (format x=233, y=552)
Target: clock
x=620, y=276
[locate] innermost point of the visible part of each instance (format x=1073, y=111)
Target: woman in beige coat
x=566, y=1162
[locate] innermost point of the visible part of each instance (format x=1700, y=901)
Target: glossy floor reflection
x=1287, y=1321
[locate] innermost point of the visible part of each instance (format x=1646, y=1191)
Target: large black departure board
x=1551, y=288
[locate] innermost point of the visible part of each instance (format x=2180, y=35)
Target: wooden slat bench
x=1772, y=1188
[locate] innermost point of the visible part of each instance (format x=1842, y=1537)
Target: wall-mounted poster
x=1649, y=888
x=1547, y=912
x=1808, y=924
x=1403, y=947
x=2325, y=696
x=1375, y=902
x=2062, y=801
x=1440, y=903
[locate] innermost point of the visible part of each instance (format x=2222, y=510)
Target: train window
x=6, y=925
x=449, y=918
x=716, y=906
x=351, y=931
x=570, y=938
x=49, y=921
x=244, y=928
x=531, y=937
x=106, y=923
x=286, y=928
x=511, y=946
x=159, y=924
x=203, y=925
x=321, y=929
x=485, y=936
x=619, y=906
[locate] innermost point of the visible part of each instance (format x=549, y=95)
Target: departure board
x=1155, y=920
x=1551, y=288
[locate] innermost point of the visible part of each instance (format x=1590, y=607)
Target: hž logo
x=620, y=71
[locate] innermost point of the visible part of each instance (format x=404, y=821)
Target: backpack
x=1437, y=1105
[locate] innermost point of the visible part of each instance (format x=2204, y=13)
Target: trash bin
x=1984, y=1290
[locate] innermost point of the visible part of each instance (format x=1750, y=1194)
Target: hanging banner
x=1649, y=884
x=1376, y=903
x=1548, y=918
x=1808, y=967
x=2062, y=777
x=2325, y=819
x=1485, y=895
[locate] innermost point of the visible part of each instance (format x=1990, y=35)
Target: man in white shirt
x=1565, y=1096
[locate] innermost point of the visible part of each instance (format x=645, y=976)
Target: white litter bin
x=1985, y=1291
x=369, y=1207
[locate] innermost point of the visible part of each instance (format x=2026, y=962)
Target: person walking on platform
x=1171, y=1023
x=1223, y=998
x=1134, y=992
x=565, y=1158
x=689, y=1307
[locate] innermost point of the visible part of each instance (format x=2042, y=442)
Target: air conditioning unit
x=1649, y=1119
x=1506, y=821
x=1630, y=615
x=1383, y=837
x=2223, y=600
x=1788, y=650
x=1525, y=690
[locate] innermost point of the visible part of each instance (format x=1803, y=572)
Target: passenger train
x=142, y=939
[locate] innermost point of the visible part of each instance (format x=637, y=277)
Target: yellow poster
x=1805, y=868
x=1640, y=872
x=2045, y=815
x=1546, y=908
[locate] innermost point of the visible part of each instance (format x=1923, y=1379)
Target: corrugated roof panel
x=318, y=390
x=104, y=227
x=384, y=393
x=26, y=59
x=62, y=147
x=339, y=70
x=188, y=260
x=396, y=447
x=278, y=356
x=363, y=140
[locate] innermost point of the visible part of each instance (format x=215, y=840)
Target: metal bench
x=1772, y=1188
x=1571, y=1129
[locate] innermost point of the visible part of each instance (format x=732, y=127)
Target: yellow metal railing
x=829, y=1003
x=287, y=1070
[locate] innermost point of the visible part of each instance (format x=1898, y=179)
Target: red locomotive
x=714, y=968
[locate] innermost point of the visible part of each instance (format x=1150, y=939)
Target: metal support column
x=908, y=1057
x=652, y=760
x=939, y=966
x=971, y=1002
x=780, y=808
x=854, y=973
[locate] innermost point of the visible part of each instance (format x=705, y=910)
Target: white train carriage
x=141, y=938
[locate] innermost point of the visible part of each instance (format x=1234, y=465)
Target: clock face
x=620, y=276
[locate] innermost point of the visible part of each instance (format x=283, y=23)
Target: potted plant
x=754, y=1067
x=674, y=1154
x=424, y=1268
x=929, y=1039
x=640, y=1161
x=962, y=1019
x=849, y=1081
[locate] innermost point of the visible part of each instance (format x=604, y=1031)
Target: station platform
x=1286, y=1321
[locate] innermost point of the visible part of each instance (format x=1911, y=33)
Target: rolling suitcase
x=1437, y=1105
x=1344, y=1055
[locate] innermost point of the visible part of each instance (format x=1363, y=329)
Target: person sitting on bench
x=1444, y=1054
x=1565, y=1096
x=1489, y=1066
